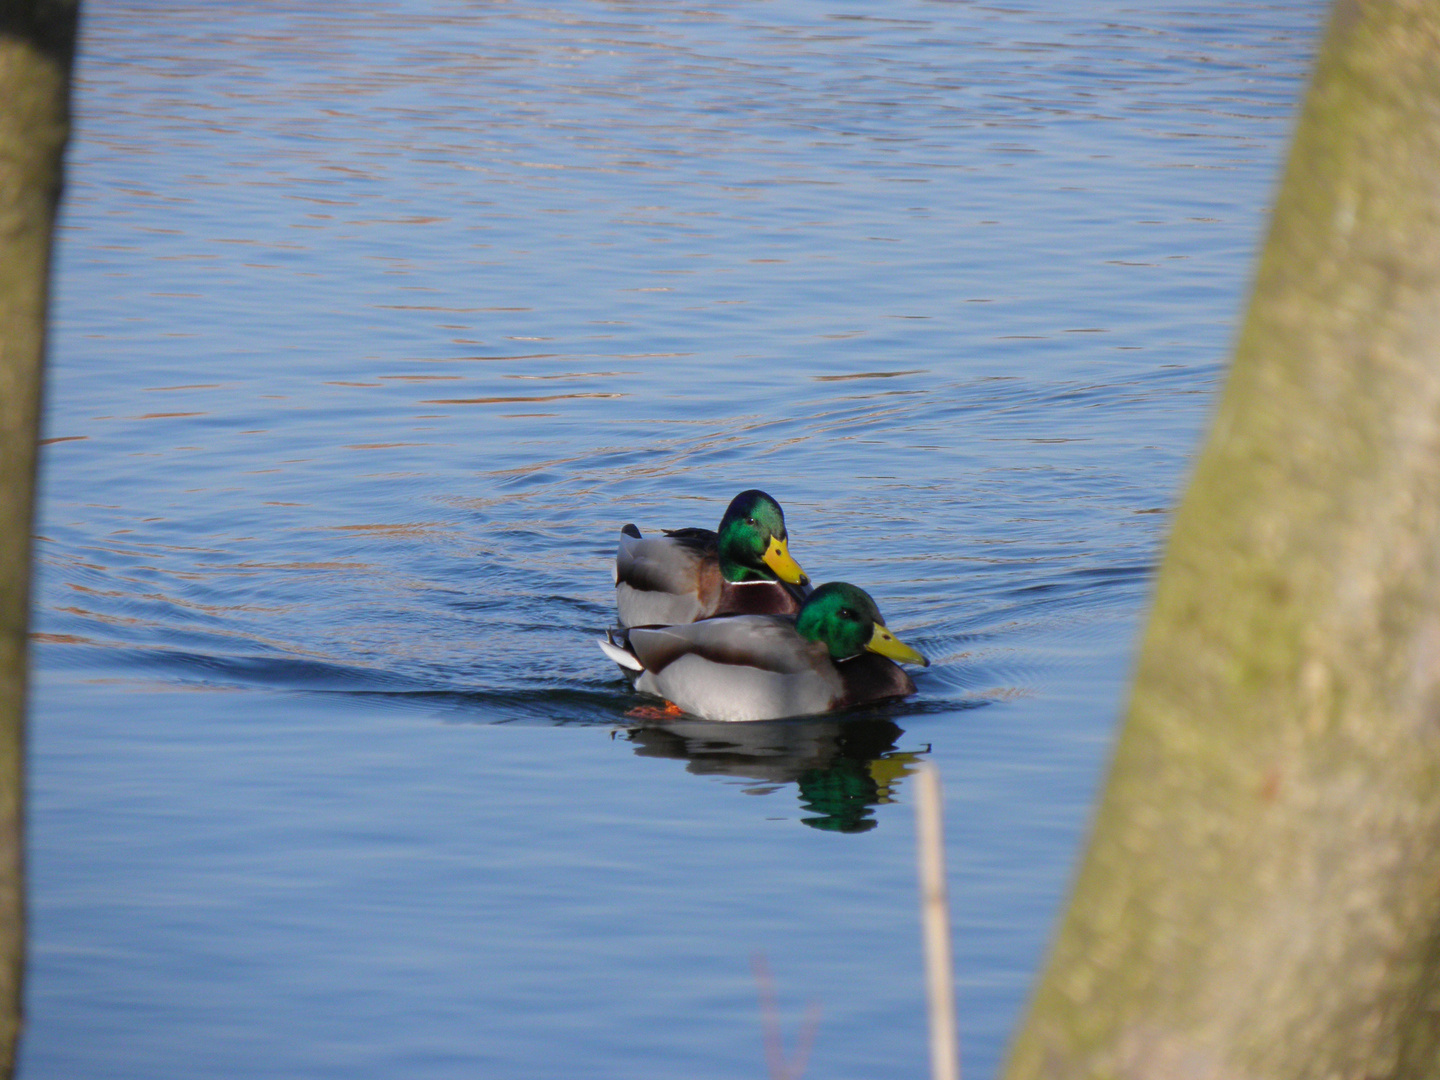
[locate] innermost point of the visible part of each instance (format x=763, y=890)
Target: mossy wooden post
x=37, y=44
x=1261, y=894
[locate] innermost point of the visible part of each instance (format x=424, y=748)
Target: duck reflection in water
x=844, y=768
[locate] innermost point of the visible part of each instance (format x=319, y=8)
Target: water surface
x=374, y=323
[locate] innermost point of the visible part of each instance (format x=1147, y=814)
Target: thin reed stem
x=935, y=924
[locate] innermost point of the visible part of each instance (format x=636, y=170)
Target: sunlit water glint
x=375, y=322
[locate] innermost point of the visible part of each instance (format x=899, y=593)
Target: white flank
x=739, y=692
x=636, y=607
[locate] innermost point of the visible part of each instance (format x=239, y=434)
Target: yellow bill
x=887, y=644
x=777, y=557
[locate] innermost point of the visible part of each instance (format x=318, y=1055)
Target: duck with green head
x=835, y=653
x=744, y=567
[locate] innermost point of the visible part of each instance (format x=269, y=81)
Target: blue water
x=374, y=323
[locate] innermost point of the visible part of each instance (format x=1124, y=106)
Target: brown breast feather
x=869, y=677
x=756, y=598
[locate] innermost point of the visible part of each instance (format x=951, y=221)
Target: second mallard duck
x=835, y=653
x=744, y=567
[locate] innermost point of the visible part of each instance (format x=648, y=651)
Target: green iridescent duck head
x=753, y=544
x=845, y=620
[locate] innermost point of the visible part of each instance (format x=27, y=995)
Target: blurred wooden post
x=935, y=924
x=37, y=44
x=1261, y=893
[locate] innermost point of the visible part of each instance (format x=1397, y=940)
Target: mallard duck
x=688, y=574
x=831, y=655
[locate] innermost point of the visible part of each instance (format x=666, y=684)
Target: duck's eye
x=750, y=522
x=846, y=613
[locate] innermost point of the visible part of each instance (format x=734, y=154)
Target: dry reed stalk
x=935, y=923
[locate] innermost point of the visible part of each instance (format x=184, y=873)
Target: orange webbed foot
x=669, y=711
